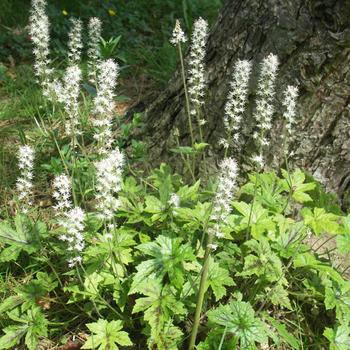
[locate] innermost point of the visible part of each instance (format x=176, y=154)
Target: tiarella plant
x=121, y=257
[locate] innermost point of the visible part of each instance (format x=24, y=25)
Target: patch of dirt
x=326, y=247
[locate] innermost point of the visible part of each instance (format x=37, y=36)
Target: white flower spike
x=264, y=106
x=75, y=43
x=39, y=31
x=94, y=53
x=289, y=103
x=73, y=222
x=24, y=182
x=236, y=102
x=222, y=202
x=178, y=36
x=108, y=183
x=196, y=81
x=104, y=104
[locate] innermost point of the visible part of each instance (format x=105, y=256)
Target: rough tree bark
x=312, y=41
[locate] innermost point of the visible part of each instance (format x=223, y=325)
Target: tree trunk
x=312, y=41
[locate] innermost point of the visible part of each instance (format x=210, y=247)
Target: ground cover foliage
x=98, y=253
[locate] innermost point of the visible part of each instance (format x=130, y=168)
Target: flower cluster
x=75, y=43
x=68, y=95
x=24, y=182
x=289, y=102
x=108, y=183
x=104, y=104
x=264, y=106
x=40, y=35
x=178, y=36
x=62, y=193
x=73, y=223
x=94, y=54
x=67, y=92
x=221, y=207
x=174, y=200
x=236, y=102
x=196, y=80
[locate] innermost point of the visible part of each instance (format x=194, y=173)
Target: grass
x=144, y=48
x=20, y=99
x=144, y=40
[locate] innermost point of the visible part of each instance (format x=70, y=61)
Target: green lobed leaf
x=106, y=335
x=320, y=221
x=238, y=318
x=13, y=335
x=339, y=338
x=286, y=335
x=169, y=256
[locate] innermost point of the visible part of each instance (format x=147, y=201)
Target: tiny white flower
x=224, y=143
x=109, y=236
x=174, y=200
x=212, y=246
x=259, y=160
x=73, y=261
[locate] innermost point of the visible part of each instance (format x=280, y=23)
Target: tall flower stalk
x=220, y=211
x=75, y=43
x=104, y=104
x=39, y=31
x=289, y=104
x=179, y=38
x=108, y=183
x=263, y=116
x=67, y=92
x=236, y=104
x=73, y=223
x=94, y=52
x=24, y=183
x=264, y=106
x=196, y=81
x=70, y=218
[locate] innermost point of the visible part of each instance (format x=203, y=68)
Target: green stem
x=101, y=299
x=186, y=160
x=188, y=110
x=201, y=293
x=201, y=139
x=252, y=206
x=82, y=283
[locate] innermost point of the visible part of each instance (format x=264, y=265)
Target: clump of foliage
x=161, y=260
